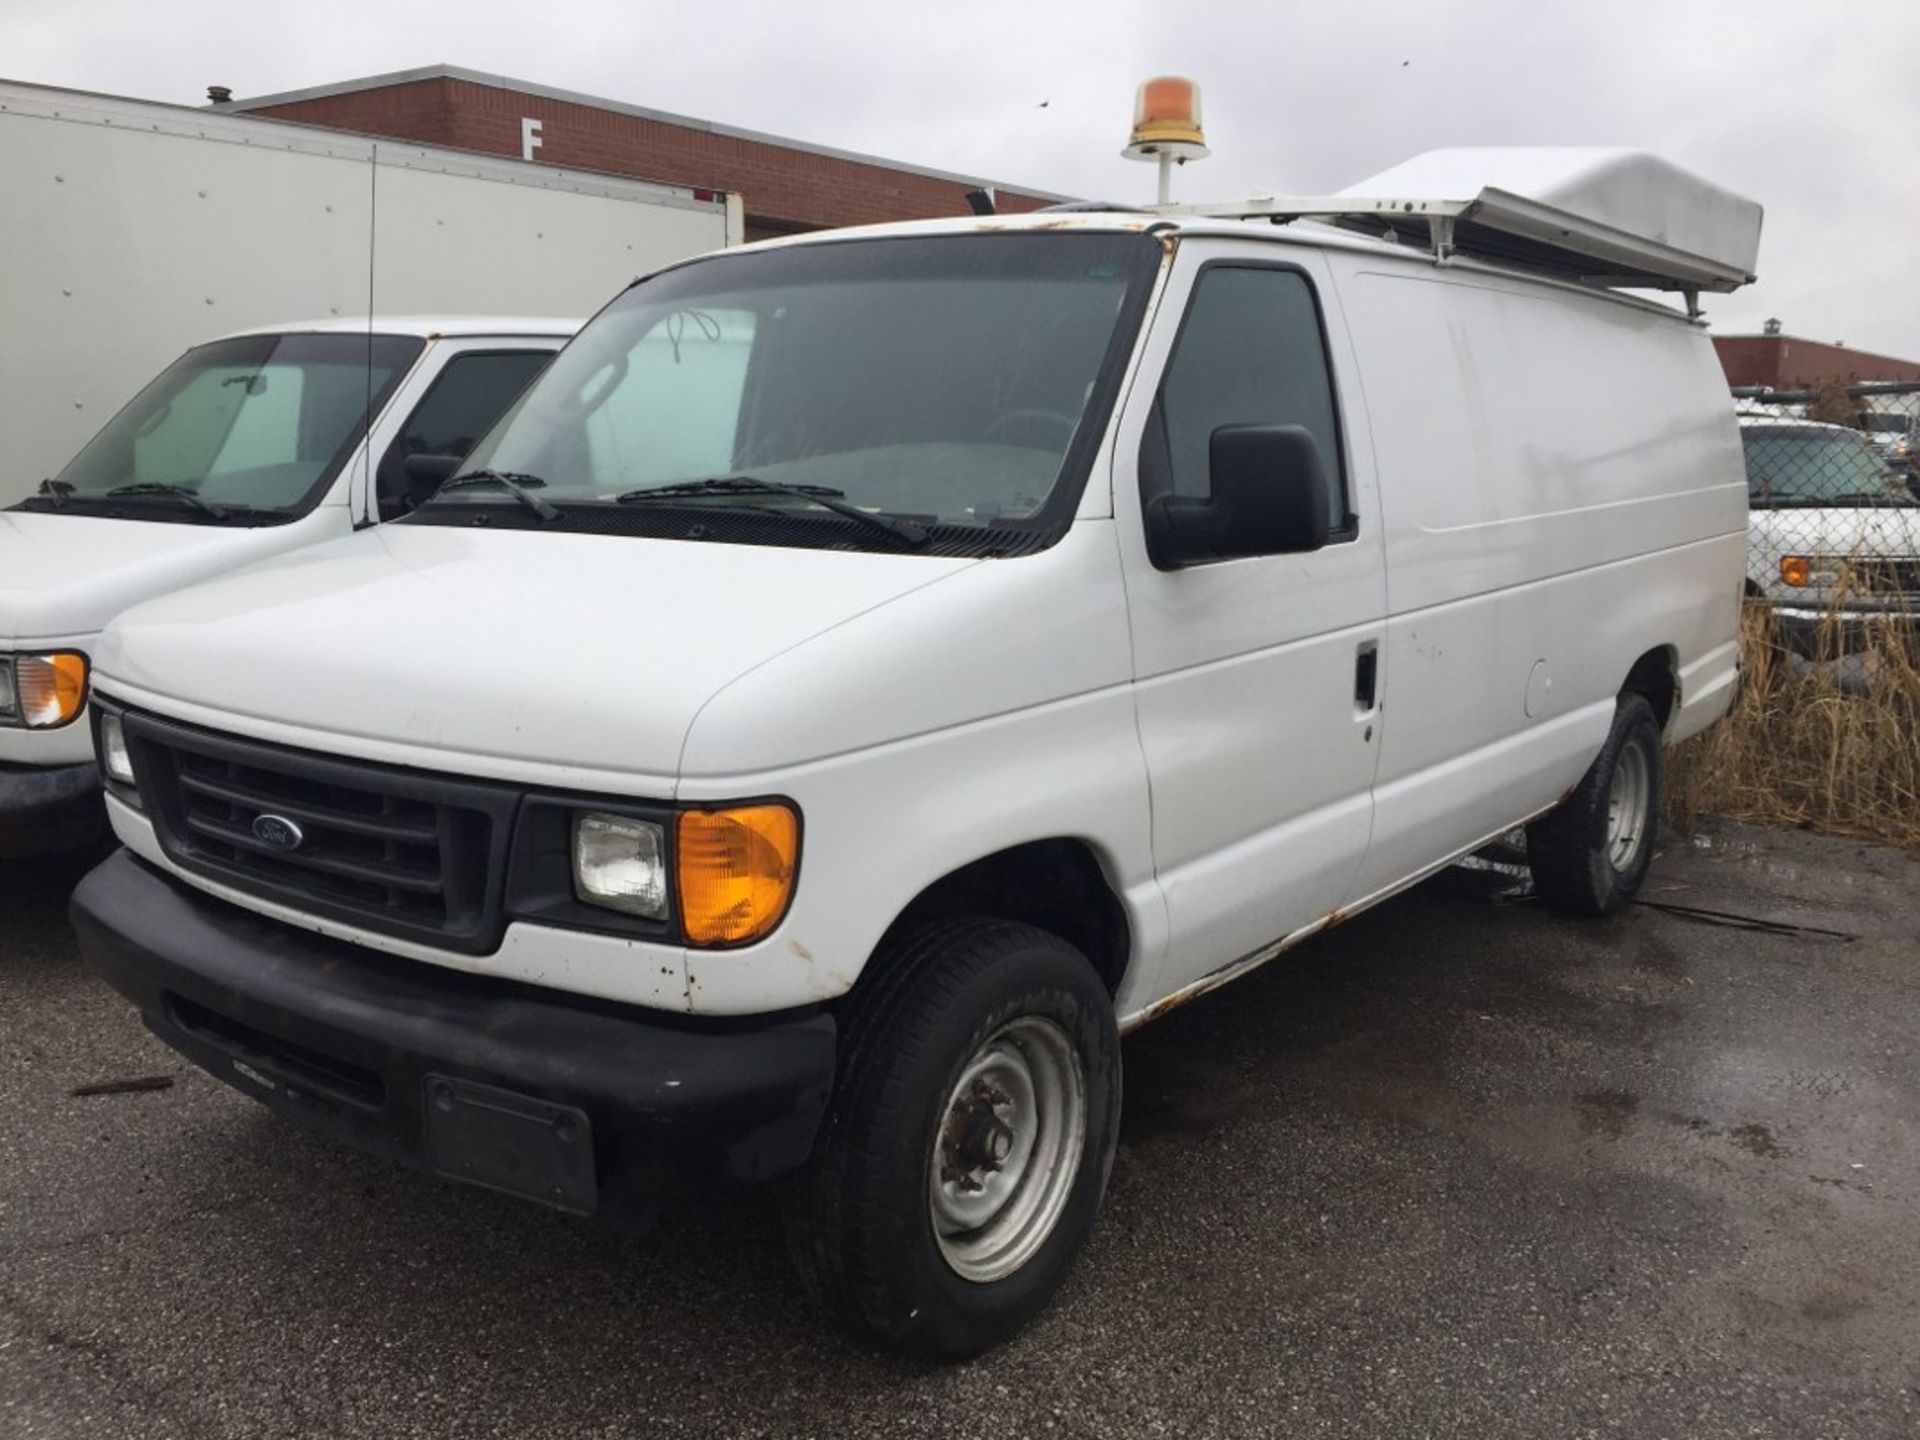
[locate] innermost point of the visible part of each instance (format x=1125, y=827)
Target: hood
x=1840, y=531
x=65, y=576
x=587, y=652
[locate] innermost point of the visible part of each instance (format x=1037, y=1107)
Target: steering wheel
x=1014, y=419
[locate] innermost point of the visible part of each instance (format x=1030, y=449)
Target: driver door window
x=472, y=392
x=1250, y=352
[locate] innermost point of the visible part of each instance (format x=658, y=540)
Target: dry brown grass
x=1830, y=404
x=1831, y=748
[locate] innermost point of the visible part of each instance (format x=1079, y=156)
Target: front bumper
x=1810, y=629
x=47, y=808
x=586, y=1106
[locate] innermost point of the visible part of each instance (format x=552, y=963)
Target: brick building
x=1786, y=362
x=786, y=185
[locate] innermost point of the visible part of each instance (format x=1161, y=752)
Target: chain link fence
x=1835, y=498
x=1825, y=726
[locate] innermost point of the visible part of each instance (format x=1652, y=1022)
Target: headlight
x=711, y=877
x=42, y=691
x=620, y=863
x=735, y=871
x=114, y=758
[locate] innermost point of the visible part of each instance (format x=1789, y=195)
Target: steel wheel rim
x=1627, y=805
x=1006, y=1149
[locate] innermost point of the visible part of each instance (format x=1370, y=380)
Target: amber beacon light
x=1166, y=127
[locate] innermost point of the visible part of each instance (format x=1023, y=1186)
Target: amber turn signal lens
x=734, y=871
x=1796, y=569
x=52, y=687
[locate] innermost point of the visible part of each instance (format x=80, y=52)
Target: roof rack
x=1612, y=218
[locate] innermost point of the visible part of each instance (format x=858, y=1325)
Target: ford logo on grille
x=278, y=832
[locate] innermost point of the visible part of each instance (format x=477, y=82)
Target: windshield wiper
x=734, y=485
x=162, y=487
x=56, y=491
x=519, y=486
x=825, y=496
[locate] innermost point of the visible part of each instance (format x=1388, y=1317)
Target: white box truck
x=935, y=651
x=134, y=230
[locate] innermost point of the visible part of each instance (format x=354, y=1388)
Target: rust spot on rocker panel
x=1207, y=984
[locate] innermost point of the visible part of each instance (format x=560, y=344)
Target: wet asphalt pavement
x=1459, y=1168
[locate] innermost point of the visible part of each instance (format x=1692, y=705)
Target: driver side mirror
x=1269, y=497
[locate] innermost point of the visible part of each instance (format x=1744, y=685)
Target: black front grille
x=1875, y=576
x=399, y=851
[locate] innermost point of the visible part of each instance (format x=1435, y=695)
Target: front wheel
x=1590, y=855
x=969, y=1140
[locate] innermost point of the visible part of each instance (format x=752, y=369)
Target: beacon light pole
x=1166, y=128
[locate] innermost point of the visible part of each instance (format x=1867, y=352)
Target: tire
x=956, y=1009
x=1590, y=855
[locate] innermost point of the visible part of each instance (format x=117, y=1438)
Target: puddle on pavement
x=1606, y=1113
x=1757, y=1140
x=1754, y=1138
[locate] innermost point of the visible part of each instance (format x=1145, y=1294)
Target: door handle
x=1366, y=676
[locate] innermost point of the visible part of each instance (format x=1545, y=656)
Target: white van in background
x=869, y=672
x=1895, y=436
x=249, y=446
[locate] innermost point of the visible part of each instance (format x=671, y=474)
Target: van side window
x=461, y=405
x=1250, y=353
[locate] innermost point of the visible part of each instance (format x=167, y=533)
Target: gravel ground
x=1458, y=1168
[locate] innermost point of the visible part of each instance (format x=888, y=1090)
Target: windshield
x=1889, y=424
x=956, y=381
x=256, y=424
x=1789, y=465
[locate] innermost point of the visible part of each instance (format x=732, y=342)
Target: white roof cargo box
x=1605, y=217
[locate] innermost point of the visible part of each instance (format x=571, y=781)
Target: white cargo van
x=867, y=674
x=248, y=446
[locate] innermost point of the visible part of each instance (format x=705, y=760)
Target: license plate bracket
x=516, y=1144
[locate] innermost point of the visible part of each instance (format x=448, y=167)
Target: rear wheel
x=1590, y=855
x=969, y=1140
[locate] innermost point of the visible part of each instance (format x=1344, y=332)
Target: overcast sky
x=1812, y=108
